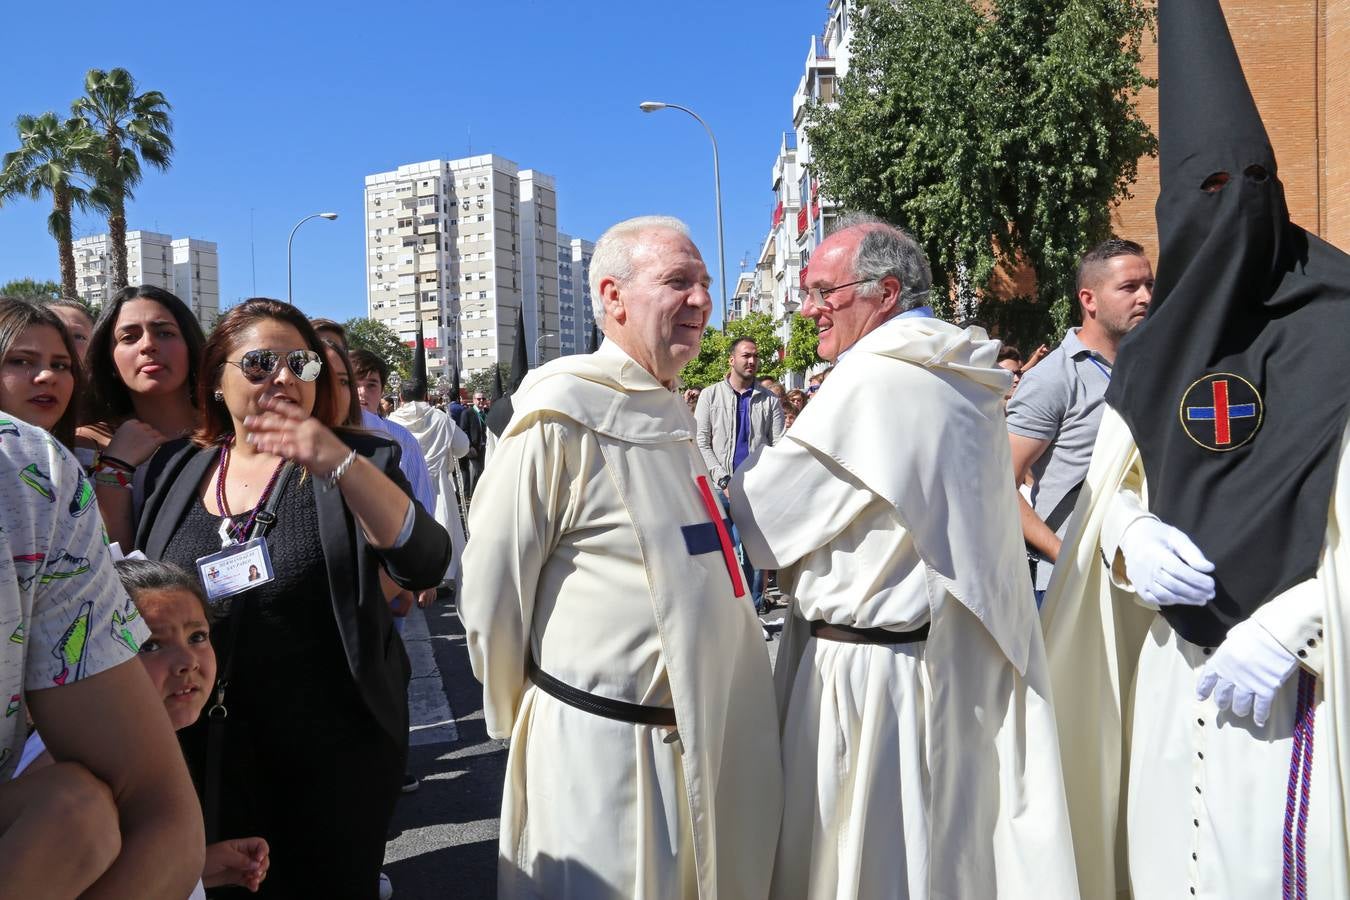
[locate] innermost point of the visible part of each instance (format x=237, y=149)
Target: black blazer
x=167, y=485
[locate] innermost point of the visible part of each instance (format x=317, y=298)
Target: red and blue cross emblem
x=710, y=537
x=1221, y=411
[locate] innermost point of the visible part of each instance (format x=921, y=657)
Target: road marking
x=430, y=718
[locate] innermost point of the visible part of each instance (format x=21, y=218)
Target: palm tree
x=132, y=127
x=54, y=157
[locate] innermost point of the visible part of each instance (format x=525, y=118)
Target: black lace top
x=290, y=670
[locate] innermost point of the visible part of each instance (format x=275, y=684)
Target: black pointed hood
x=520, y=359
x=1218, y=171
x=1234, y=386
x=500, y=414
x=419, y=369
x=455, y=389
x=595, y=339
x=497, y=391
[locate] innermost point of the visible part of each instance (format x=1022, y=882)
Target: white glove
x=1246, y=671
x=1165, y=566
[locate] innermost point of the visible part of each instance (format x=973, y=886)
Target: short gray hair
x=885, y=250
x=613, y=255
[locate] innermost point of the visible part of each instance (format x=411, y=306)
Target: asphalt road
x=444, y=840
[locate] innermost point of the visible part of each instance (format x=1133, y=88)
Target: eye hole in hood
x=1214, y=183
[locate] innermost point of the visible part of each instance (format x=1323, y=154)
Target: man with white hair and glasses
x=606, y=614
x=919, y=746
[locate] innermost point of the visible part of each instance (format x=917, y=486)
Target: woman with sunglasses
x=141, y=369
x=316, y=732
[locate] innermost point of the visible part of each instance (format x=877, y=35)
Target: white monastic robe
x=443, y=443
x=1205, y=791
x=920, y=770
x=593, y=550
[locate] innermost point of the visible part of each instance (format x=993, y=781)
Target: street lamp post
x=539, y=340
x=330, y=216
x=649, y=106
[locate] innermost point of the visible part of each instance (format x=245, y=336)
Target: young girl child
x=181, y=664
x=39, y=369
x=77, y=321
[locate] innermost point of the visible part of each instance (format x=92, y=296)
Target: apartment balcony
x=405, y=231
x=428, y=228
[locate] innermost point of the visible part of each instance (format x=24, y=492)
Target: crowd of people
x=1158, y=707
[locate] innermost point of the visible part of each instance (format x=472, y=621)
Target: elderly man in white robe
x=606, y=614
x=919, y=745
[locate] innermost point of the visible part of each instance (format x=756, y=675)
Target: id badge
x=235, y=569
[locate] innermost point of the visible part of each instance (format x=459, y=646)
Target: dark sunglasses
x=258, y=365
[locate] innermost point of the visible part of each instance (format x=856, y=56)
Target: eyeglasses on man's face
x=818, y=295
x=258, y=365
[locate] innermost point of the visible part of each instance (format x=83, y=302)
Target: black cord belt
x=847, y=634
x=636, y=713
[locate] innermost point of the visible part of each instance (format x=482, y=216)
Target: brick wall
x=1296, y=55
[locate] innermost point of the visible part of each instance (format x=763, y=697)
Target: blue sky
x=282, y=108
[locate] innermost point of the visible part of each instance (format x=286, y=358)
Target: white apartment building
x=801, y=217
x=447, y=237
x=186, y=267
x=575, y=315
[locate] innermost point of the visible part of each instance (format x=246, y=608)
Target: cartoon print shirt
x=63, y=612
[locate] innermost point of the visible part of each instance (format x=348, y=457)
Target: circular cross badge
x=1221, y=412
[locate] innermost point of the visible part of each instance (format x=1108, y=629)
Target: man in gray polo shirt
x=1053, y=416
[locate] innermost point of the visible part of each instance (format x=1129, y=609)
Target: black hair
x=1106, y=250
x=108, y=398
x=142, y=575
x=731, y=351
x=366, y=363
x=414, y=389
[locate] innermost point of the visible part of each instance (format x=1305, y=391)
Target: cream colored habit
x=442, y=444
x=1204, y=792
x=922, y=770
x=578, y=554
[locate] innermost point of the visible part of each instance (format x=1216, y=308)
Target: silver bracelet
x=331, y=480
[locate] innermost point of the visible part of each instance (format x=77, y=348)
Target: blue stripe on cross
x=1207, y=413
x=703, y=538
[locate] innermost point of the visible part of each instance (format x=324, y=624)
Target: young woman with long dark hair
x=142, y=371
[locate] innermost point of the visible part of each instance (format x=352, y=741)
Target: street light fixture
x=330, y=216
x=650, y=106
x=539, y=340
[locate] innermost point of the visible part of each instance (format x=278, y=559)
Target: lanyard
x=236, y=532
x=1096, y=362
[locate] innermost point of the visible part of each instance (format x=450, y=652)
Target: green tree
x=132, y=128
x=54, y=157
x=28, y=289
x=482, y=379
x=383, y=341
x=1000, y=132
x=710, y=366
x=801, y=347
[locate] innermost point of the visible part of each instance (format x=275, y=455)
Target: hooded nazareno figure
x=500, y=414
x=1234, y=388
